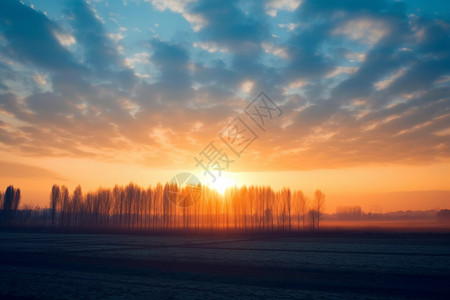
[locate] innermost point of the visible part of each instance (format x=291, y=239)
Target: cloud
x=388, y=81
x=275, y=50
x=359, y=82
x=363, y=29
x=210, y=47
x=40, y=78
x=65, y=39
x=37, y=44
x=230, y=27
x=116, y=37
x=180, y=6
x=174, y=80
x=340, y=70
x=289, y=26
x=297, y=84
x=141, y=58
x=273, y=6
x=99, y=50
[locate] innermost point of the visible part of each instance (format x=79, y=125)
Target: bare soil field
x=327, y=266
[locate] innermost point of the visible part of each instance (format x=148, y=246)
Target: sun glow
x=222, y=183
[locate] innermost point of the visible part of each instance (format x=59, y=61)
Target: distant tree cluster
x=443, y=215
x=349, y=212
x=355, y=213
x=10, y=202
x=131, y=207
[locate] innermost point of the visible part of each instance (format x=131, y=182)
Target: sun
x=221, y=184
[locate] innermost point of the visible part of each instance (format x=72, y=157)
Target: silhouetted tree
x=312, y=213
x=8, y=204
x=319, y=203
x=64, y=206
x=77, y=206
x=300, y=207
x=287, y=195
x=15, y=203
x=54, y=201
x=349, y=212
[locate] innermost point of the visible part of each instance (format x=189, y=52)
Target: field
x=334, y=265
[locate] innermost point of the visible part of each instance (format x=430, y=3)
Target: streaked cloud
x=273, y=6
x=180, y=6
x=366, y=30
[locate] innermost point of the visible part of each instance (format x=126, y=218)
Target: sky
x=351, y=97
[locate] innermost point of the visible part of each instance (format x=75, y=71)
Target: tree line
x=131, y=207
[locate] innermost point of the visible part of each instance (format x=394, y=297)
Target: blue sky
x=360, y=82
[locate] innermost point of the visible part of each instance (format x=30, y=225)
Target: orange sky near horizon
x=343, y=186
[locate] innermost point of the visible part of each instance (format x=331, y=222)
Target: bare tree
x=8, y=204
x=319, y=203
x=15, y=203
x=287, y=195
x=130, y=196
x=300, y=207
x=64, y=205
x=77, y=205
x=312, y=217
x=54, y=201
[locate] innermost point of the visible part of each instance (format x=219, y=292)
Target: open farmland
x=54, y=265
